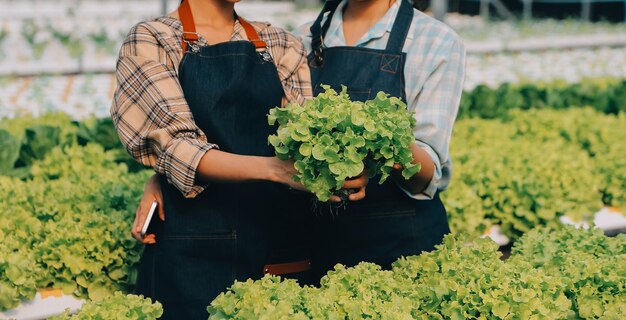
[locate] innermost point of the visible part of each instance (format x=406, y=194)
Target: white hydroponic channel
x=568, y=65
x=84, y=35
x=85, y=95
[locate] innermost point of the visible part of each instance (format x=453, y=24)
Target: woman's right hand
x=152, y=192
x=283, y=171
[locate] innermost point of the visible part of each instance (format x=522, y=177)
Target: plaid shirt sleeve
x=149, y=109
x=150, y=113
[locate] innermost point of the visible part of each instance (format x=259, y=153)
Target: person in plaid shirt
x=191, y=102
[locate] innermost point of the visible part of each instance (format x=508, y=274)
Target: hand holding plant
x=332, y=139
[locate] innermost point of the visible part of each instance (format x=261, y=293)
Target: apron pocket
x=190, y=271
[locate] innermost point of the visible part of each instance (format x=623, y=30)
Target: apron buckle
x=191, y=38
x=194, y=47
x=319, y=56
x=265, y=56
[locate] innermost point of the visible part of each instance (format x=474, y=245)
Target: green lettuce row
x=461, y=279
x=25, y=140
x=590, y=265
x=67, y=226
x=605, y=95
x=119, y=306
x=602, y=136
x=534, y=166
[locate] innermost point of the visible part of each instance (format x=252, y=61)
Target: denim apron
x=230, y=231
x=387, y=224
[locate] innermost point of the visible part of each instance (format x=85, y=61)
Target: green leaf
x=411, y=170
x=274, y=140
x=501, y=310
x=38, y=141
x=9, y=151
x=387, y=152
x=98, y=290
x=318, y=152
x=305, y=149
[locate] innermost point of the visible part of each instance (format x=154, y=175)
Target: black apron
x=230, y=231
x=387, y=224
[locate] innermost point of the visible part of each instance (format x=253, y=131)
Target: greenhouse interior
x=384, y=159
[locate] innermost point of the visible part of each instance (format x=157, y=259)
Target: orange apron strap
x=189, y=27
x=253, y=36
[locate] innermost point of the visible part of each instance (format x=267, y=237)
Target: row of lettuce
x=531, y=167
x=606, y=95
x=69, y=192
x=66, y=204
x=66, y=226
x=560, y=273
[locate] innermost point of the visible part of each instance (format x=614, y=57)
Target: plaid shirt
x=149, y=109
x=434, y=75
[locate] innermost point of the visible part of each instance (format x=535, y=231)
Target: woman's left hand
x=152, y=192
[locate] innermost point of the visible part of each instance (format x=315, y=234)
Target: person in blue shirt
x=387, y=45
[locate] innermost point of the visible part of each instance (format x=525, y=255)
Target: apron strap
x=396, y=40
x=317, y=30
x=253, y=36
x=189, y=27
x=401, y=27
x=190, y=36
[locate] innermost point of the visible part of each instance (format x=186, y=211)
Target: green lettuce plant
x=66, y=226
x=589, y=264
x=332, y=138
x=534, y=166
x=119, y=306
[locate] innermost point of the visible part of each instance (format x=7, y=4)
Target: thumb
x=397, y=166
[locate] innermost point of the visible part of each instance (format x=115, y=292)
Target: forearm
x=420, y=181
x=220, y=166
